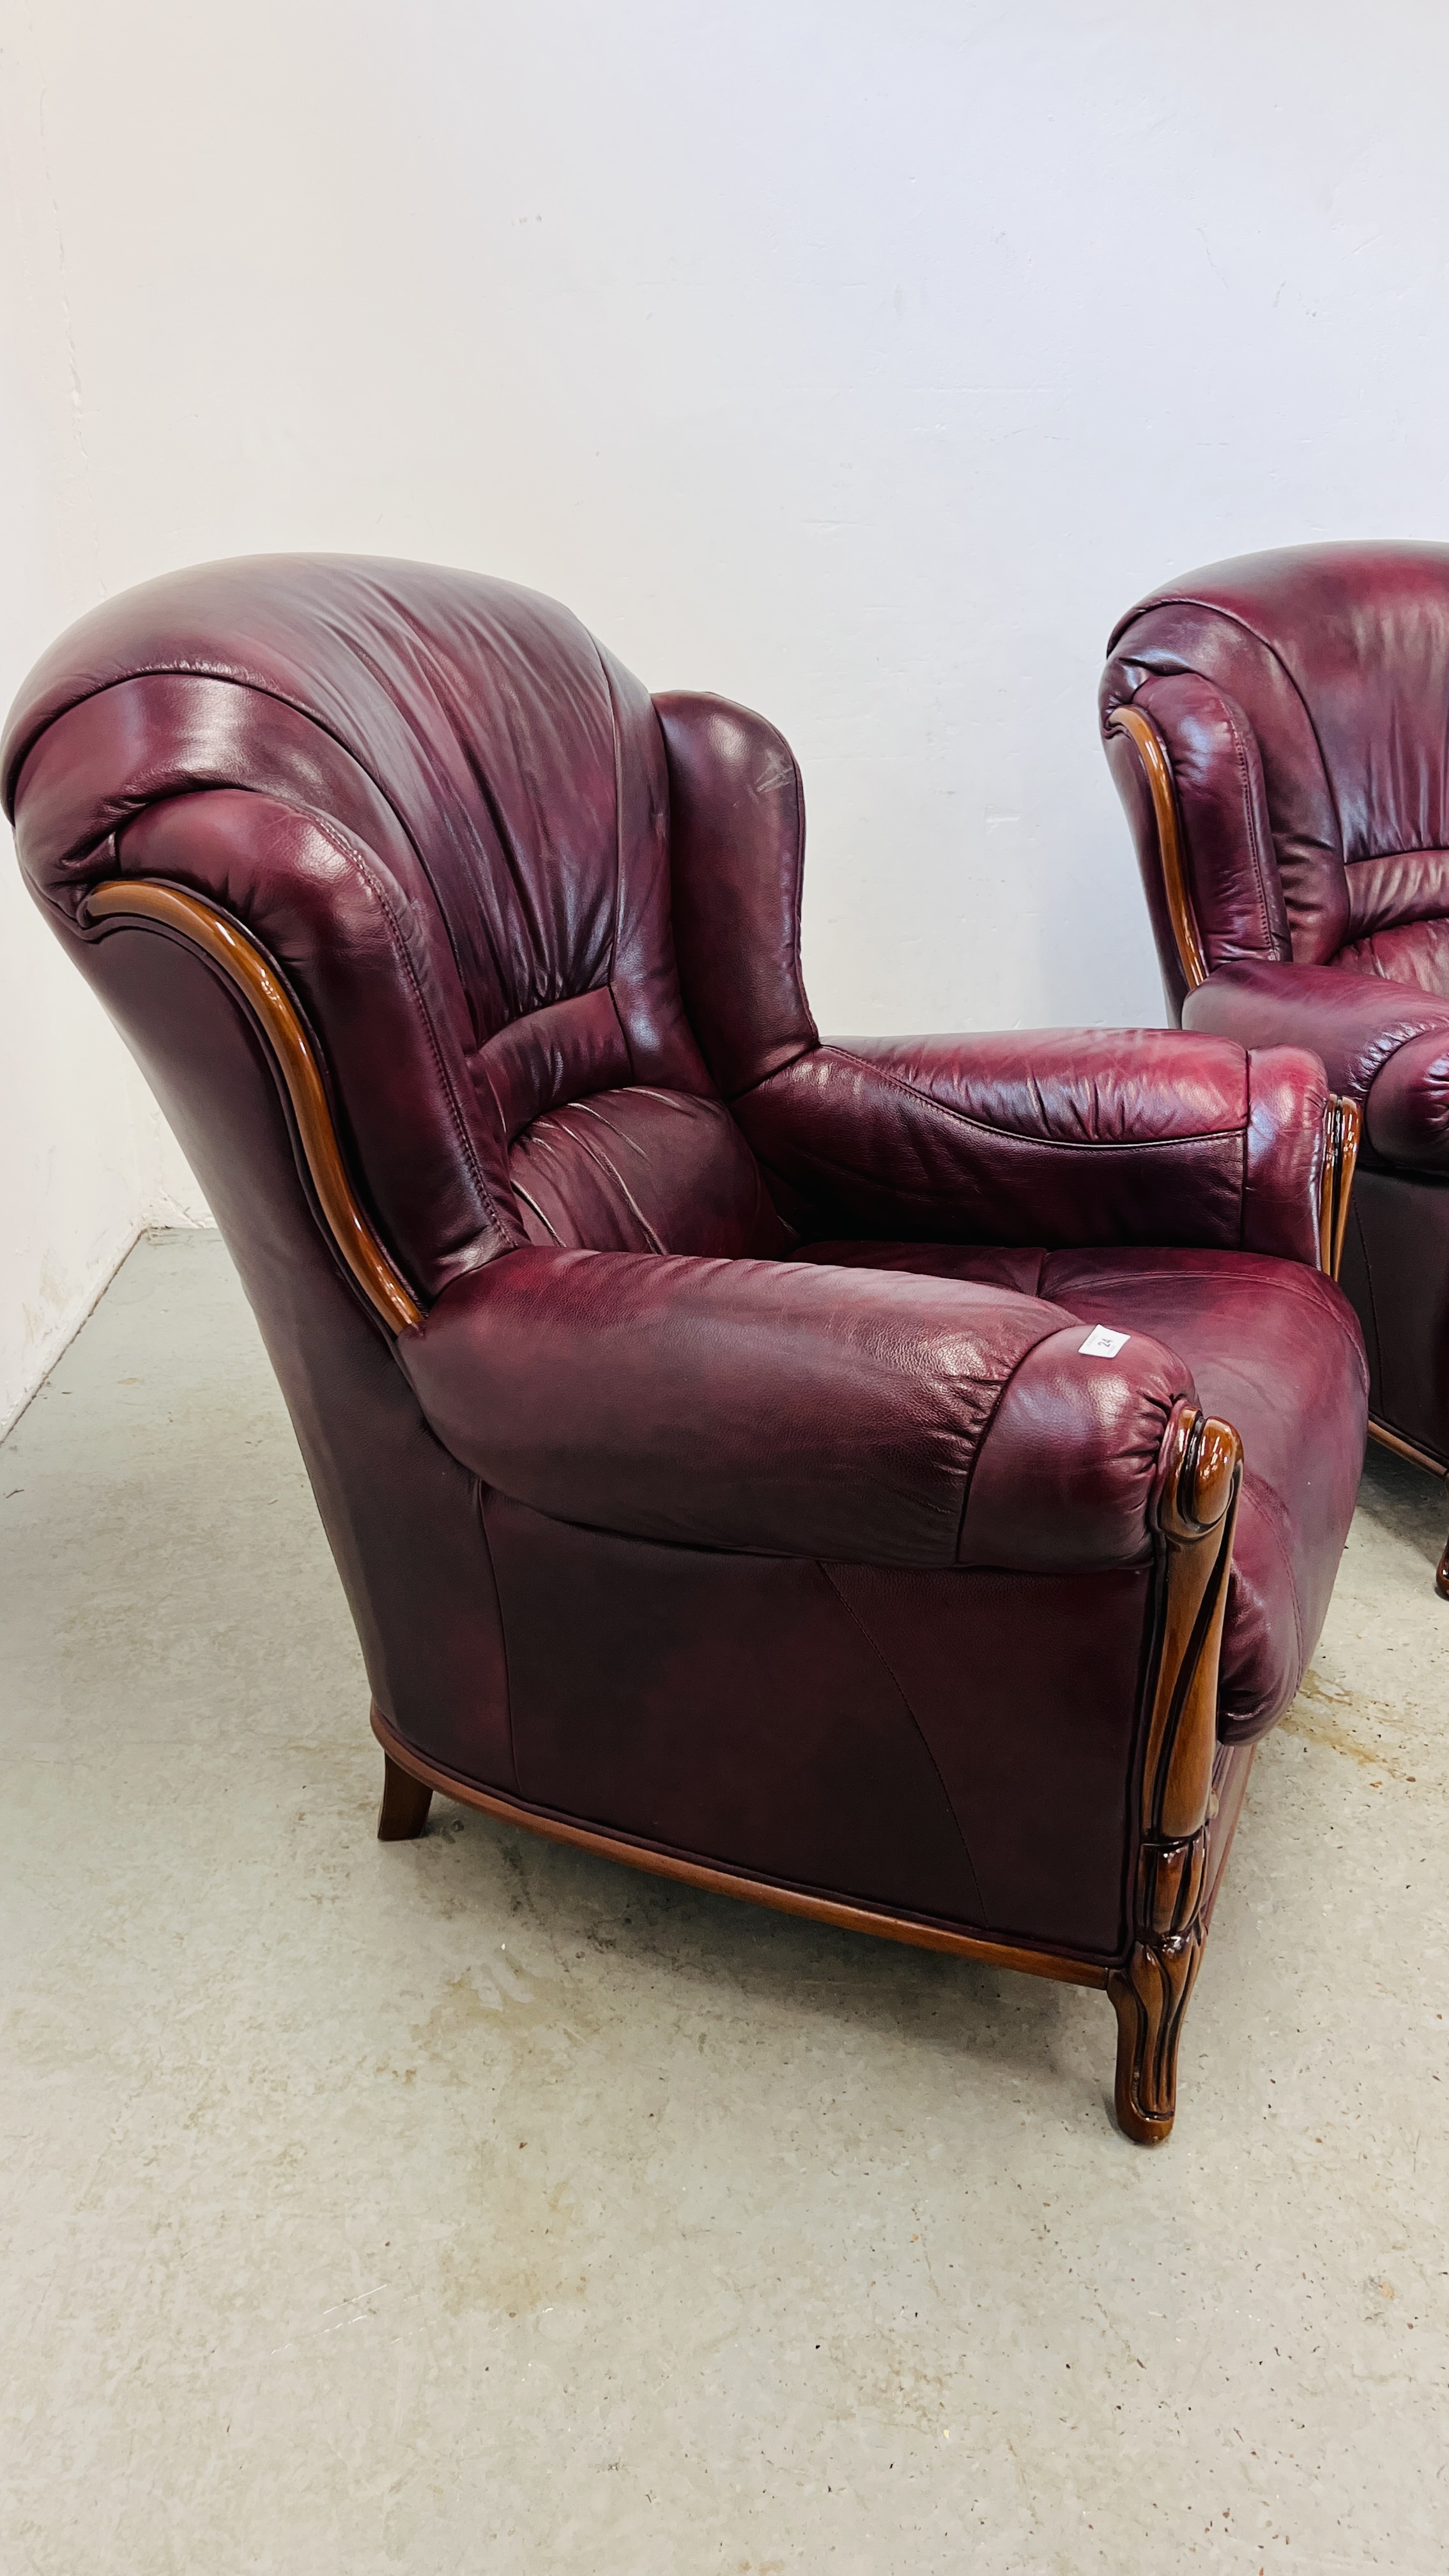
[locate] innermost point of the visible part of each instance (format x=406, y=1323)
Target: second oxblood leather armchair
x=809, y=1469
x=1279, y=730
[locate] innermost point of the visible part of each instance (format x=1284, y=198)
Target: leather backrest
x=1337, y=660
x=443, y=809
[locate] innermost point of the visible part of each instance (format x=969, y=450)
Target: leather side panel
x=1398, y=1273
x=828, y=1726
x=1025, y=1687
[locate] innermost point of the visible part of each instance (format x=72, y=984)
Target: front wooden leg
x=1150, y=1994
x=405, y=1804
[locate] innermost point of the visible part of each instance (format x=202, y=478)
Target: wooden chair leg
x=1150, y=1997
x=405, y=1803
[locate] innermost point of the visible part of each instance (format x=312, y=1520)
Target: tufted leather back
x=1304, y=697
x=444, y=810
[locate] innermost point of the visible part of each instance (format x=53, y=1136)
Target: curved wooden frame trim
x=1151, y=750
x=1172, y=1896
x=1342, y=1129
x=250, y=971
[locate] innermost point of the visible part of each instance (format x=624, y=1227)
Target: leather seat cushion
x=1273, y=1349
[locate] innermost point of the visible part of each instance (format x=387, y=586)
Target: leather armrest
x=1353, y=1022
x=795, y=1410
x=1060, y=1137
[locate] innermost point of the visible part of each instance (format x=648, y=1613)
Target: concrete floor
x=477, y=2206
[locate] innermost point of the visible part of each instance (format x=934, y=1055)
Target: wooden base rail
x=1433, y=1466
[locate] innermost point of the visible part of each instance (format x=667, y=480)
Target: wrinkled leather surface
x=1408, y=1105
x=1276, y=1351
x=1337, y=658
x=604, y=1173
x=734, y=1404
x=862, y=1731
x=1407, y=952
x=448, y=811
x=1269, y=1346
x=737, y=855
x=647, y=1523
x=1058, y=1136
x=1217, y=771
x=1361, y=1029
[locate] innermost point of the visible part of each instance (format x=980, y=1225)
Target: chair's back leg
x=405, y=1803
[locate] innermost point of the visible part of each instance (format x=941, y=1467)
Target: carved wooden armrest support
x=1201, y=1473
x=1342, y=1129
x=259, y=985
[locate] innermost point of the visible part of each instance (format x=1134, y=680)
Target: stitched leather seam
x=1269, y=1523
x=798, y=893
x=1019, y=1136
x=1150, y=1453
x=1250, y=814
x=616, y=733
x=989, y=1424
x=894, y=1679
x=481, y=1493
x=181, y=670
x=811, y=1047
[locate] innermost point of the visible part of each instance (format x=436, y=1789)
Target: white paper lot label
x=1102, y=1345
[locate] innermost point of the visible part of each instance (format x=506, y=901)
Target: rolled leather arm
x=795, y=1410
x=1353, y=1022
x=1056, y=1137
x=1383, y=1044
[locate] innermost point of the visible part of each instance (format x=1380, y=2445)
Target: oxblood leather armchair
x=1278, y=727
x=793, y=1467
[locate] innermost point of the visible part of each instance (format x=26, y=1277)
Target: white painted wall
x=861, y=361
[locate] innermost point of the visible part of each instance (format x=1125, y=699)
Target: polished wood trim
x=1342, y=1130
x=1402, y=1448
x=1151, y=750
x=1150, y=1993
x=248, y=967
x=1435, y=1467
x=729, y=1882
